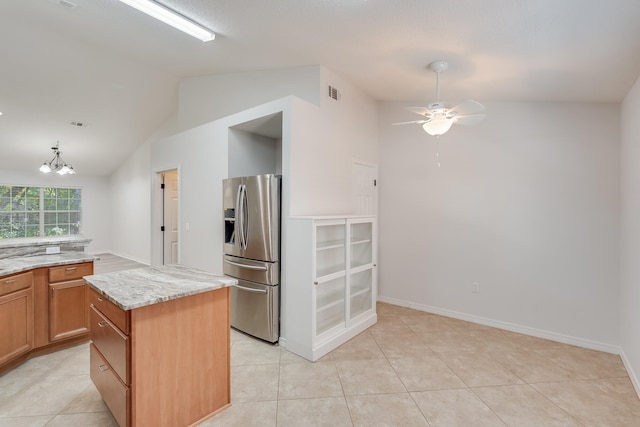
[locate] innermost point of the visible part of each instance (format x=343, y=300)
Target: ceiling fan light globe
x=437, y=126
x=45, y=168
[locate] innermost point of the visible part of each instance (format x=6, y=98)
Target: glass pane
x=33, y=192
x=63, y=218
x=55, y=231
x=63, y=204
x=49, y=218
x=33, y=231
x=361, y=287
x=33, y=204
x=33, y=218
x=330, y=304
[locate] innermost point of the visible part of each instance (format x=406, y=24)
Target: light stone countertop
x=139, y=287
x=18, y=264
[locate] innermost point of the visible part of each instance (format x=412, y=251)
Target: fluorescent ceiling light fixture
x=172, y=18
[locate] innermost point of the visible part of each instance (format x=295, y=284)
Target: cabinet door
x=68, y=310
x=362, y=274
x=330, y=263
x=16, y=318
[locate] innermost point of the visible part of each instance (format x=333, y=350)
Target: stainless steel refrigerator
x=251, y=207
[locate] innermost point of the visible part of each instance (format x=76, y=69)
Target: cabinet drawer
x=115, y=314
x=113, y=392
x=112, y=343
x=70, y=272
x=15, y=283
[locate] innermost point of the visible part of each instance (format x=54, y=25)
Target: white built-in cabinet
x=331, y=282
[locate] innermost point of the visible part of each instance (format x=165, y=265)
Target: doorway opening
x=170, y=212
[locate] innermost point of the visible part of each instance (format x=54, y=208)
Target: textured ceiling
x=115, y=69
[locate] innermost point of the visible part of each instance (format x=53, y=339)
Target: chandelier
x=56, y=164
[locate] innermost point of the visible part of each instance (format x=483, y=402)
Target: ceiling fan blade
x=470, y=119
x=468, y=107
x=411, y=122
x=423, y=111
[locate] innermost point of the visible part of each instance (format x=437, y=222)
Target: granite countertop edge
x=140, y=287
x=9, y=266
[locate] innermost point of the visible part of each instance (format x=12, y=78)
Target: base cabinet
x=68, y=314
x=16, y=316
x=165, y=364
x=332, y=277
x=42, y=310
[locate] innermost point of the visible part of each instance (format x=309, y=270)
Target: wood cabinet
x=68, y=301
x=16, y=316
x=165, y=364
x=331, y=279
x=42, y=310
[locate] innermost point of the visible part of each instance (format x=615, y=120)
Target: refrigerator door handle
x=238, y=219
x=250, y=267
x=257, y=291
x=241, y=217
x=245, y=218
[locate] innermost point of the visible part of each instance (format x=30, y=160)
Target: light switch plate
x=53, y=250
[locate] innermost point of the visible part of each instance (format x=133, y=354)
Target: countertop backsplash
x=13, y=248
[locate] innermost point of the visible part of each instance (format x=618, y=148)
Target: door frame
x=157, y=218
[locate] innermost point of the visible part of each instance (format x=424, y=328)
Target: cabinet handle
x=102, y=324
x=9, y=281
x=71, y=268
x=100, y=299
x=315, y=283
x=103, y=368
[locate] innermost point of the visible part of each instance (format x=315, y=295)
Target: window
x=39, y=211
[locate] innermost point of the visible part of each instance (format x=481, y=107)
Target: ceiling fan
x=440, y=116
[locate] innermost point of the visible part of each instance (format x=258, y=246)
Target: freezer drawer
x=267, y=273
x=255, y=309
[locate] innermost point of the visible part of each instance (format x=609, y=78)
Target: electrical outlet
x=475, y=287
x=52, y=250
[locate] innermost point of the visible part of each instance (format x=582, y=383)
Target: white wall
x=207, y=98
x=630, y=233
x=95, y=200
x=325, y=142
x=525, y=203
x=130, y=210
x=252, y=154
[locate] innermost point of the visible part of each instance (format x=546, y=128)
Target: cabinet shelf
x=360, y=242
x=325, y=246
x=360, y=292
x=330, y=305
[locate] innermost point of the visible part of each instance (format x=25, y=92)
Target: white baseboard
x=566, y=339
x=632, y=375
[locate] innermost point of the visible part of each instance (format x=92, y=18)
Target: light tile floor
x=410, y=369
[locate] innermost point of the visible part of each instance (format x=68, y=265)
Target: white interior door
x=170, y=217
x=364, y=188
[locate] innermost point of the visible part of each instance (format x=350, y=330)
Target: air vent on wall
x=79, y=124
x=334, y=93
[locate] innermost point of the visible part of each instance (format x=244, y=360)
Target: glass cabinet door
x=361, y=273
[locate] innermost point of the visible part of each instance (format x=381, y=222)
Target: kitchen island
x=160, y=344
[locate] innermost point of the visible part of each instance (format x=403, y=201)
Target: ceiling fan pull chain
x=438, y=153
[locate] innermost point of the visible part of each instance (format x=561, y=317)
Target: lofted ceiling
x=115, y=70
